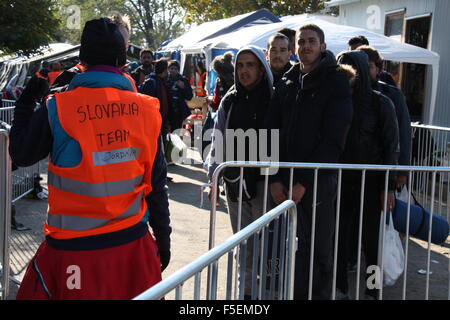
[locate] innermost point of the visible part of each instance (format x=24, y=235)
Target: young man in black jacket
x=372, y=139
x=143, y=71
x=155, y=85
x=354, y=44
x=401, y=110
x=312, y=109
x=278, y=55
x=180, y=91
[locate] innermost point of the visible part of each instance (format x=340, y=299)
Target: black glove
x=164, y=257
x=36, y=89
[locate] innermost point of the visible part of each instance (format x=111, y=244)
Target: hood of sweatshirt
x=360, y=62
x=268, y=77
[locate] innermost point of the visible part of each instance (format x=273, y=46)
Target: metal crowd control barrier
x=414, y=172
x=7, y=111
x=5, y=212
x=239, y=242
x=430, y=147
x=23, y=181
x=23, y=178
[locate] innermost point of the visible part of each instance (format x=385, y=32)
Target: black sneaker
x=19, y=226
x=340, y=295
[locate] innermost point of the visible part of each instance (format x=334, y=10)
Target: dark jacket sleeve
x=158, y=201
x=336, y=122
x=274, y=122
x=389, y=136
x=404, y=128
x=186, y=93
x=135, y=75
x=386, y=77
x=149, y=88
x=30, y=137
x=62, y=81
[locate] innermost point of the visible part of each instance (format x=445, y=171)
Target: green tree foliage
x=152, y=21
x=206, y=10
x=27, y=25
x=75, y=13
x=155, y=20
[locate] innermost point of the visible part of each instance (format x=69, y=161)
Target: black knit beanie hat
x=102, y=43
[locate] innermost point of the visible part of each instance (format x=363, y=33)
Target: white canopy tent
x=215, y=28
x=336, y=37
x=212, y=29
x=16, y=71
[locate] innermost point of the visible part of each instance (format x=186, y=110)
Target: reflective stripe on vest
x=104, y=189
x=117, y=131
x=199, y=91
x=86, y=223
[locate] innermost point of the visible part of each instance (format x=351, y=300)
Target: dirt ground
x=190, y=225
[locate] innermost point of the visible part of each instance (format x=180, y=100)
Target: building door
x=417, y=31
x=393, y=28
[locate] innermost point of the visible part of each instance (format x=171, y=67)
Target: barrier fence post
x=5, y=211
x=434, y=199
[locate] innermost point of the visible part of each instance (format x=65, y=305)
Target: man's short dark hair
x=174, y=63
x=278, y=36
x=358, y=39
x=315, y=28
x=290, y=33
x=374, y=55
x=146, y=51
x=161, y=65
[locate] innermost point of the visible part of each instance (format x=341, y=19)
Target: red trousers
x=118, y=273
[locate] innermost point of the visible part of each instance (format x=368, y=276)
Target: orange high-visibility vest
x=199, y=91
x=52, y=76
x=39, y=75
x=118, y=132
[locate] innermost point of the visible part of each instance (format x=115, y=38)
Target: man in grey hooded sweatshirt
x=244, y=107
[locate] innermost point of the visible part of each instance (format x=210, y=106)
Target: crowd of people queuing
x=327, y=109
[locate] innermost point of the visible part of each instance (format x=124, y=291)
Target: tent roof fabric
x=53, y=48
x=336, y=37
x=216, y=28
